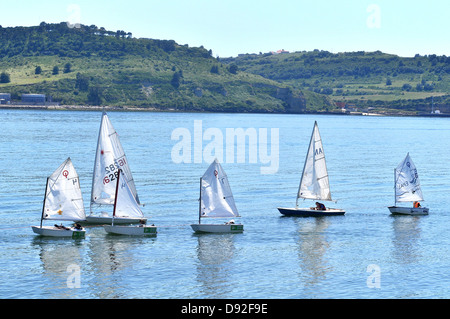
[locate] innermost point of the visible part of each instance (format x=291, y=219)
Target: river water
x=367, y=253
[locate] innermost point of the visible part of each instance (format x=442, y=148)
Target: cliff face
x=294, y=103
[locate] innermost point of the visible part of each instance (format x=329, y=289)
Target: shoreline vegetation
x=108, y=108
x=88, y=67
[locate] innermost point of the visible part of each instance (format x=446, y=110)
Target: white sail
x=63, y=198
x=314, y=183
x=407, y=184
x=126, y=205
x=216, y=196
x=109, y=158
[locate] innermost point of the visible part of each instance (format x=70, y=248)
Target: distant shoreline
x=76, y=108
x=137, y=109
x=151, y=109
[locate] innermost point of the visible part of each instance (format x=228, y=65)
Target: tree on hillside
x=67, y=68
x=215, y=69
x=82, y=82
x=233, y=68
x=327, y=91
x=95, y=96
x=406, y=87
x=176, y=80
x=38, y=70
x=55, y=70
x=4, y=78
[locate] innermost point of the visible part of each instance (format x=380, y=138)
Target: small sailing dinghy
x=216, y=201
x=314, y=183
x=109, y=158
x=63, y=201
x=125, y=205
x=407, y=189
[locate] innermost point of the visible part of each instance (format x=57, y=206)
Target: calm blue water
x=276, y=257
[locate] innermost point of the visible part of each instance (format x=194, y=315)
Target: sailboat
x=63, y=201
x=216, y=201
x=109, y=158
x=314, y=183
x=407, y=189
x=125, y=205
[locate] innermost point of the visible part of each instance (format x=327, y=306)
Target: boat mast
x=43, y=204
x=115, y=198
x=95, y=162
x=304, y=165
x=200, y=203
x=395, y=187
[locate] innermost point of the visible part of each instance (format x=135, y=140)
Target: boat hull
x=395, y=210
x=218, y=228
x=100, y=220
x=308, y=212
x=51, y=231
x=131, y=230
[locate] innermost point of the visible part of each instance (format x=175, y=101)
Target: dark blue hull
x=306, y=212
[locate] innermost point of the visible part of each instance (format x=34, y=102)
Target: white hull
x=395, y=210
x=108, y=220
x=131, y=230
x=52, y=231
x=218, y=228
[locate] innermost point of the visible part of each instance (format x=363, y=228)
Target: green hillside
x=92, y=66
x=367, y=80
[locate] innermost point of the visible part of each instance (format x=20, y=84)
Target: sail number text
x=112, y=170
x=414, y=177
x=402, y=185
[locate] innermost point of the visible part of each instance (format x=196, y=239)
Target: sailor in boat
x=416, y=204
x=76, y=226
x=142, y=222
x=231, y=222
x=61, y=227
x=319, y=206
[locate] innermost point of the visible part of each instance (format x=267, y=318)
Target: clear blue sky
x=230, y=27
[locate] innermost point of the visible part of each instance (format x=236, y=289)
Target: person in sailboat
x=320, y=206
x=416, y=204
x=142, y=222
x=61, y=227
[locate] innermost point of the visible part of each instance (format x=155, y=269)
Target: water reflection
x=406, y=236
x=214, y=270
x=57, y=256
x=312, y=246
x=110, y=259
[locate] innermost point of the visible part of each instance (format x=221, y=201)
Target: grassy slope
x=141, y=82
x=129, y=71
x=126, y=71
x=359, y=78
